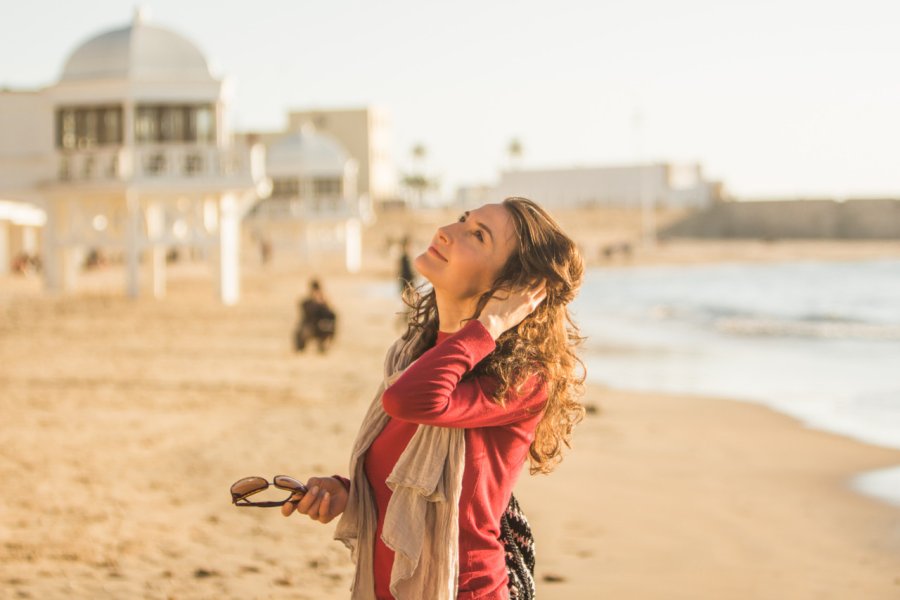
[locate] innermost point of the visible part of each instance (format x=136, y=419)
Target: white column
x=229, y=250
x=132, y=243
x=5, y=258
x=127, y=166
x=57, y=255
x=29, y=240
x=353, y=245
x=221, y=133
x=50, y=259
x=72, y=258
x=155, y=231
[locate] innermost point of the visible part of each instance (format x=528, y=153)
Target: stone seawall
x=852, y=219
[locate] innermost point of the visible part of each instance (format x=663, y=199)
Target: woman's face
x=465, y=257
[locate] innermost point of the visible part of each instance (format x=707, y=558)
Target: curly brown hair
x=544, y=343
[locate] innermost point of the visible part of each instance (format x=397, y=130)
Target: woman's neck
x=453, y=314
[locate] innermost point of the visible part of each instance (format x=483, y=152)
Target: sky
x=786, y=98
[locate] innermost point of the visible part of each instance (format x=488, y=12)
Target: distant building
x=366, y=134
x=314, y=206
x=476, y=195
x=663, y=185
x=128, y=154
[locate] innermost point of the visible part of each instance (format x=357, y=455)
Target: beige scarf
x=421, y=523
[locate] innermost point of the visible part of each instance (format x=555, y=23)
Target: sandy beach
x=124, y=422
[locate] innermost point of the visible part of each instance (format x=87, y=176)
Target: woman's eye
x=479, y=235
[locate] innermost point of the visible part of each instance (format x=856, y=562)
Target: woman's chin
x=422, y=265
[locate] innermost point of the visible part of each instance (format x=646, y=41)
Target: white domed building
x=128, y=154
x=314, y=208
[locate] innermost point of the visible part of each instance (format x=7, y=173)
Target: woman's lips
x=434, y=251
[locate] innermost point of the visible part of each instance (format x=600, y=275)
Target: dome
x=139, y=51
x=307, y=153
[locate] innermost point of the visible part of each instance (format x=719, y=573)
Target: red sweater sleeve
x=344, y=481
x=431, y=390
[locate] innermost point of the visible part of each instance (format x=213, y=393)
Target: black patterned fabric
x=519, y=544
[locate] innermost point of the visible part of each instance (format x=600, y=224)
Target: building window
x=171, y=124
x=285, y=187
x=91, y=133
x=323, y=188
x=175, y=123
x=146, y=122
x=65, y=129
x=84, y=127
x=202, y=124
x=111, y=126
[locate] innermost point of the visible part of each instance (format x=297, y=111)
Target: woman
x=483, y=378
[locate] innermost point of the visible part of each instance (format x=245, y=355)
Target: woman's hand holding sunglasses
x=325, y=499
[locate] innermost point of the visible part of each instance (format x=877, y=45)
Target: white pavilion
x=128, y=153
x=314, y=208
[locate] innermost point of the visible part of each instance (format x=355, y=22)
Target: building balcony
x=320, y=208
x=163, y=164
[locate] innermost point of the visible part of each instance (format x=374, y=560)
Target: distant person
x=94, y=259
x=317, y=320
x=265, y=251
x=407, y=275
x=25, y=264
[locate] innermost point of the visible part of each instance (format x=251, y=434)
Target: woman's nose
x=443, y=235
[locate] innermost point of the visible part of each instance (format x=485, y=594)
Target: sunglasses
x=246, y=487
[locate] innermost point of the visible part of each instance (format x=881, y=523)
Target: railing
x=322, y=207
x=162, y=162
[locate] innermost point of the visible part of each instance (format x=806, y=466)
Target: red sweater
x=432, y=392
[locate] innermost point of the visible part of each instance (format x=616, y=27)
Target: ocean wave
x=808, y=328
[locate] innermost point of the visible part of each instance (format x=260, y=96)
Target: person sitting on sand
x=483, y=379
x=317, y=320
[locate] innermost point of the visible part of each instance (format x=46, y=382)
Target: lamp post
x=648, y=216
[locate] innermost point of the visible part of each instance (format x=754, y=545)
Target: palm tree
x=515, y=151
x=416, y=181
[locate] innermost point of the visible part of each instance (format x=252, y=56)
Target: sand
x=124, y=422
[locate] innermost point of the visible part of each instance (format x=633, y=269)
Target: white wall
x=26, y=140
x=619, y=186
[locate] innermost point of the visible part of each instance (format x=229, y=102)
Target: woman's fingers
x=502, y=313
x=309, y=502
x=325, y=499
x=533, y=296
x=324, y=508
x=538, y=294
x=315, y=503
x=288, y=507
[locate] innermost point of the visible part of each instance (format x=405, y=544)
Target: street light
x=648, y=225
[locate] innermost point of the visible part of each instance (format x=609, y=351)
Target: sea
x=817, y=340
